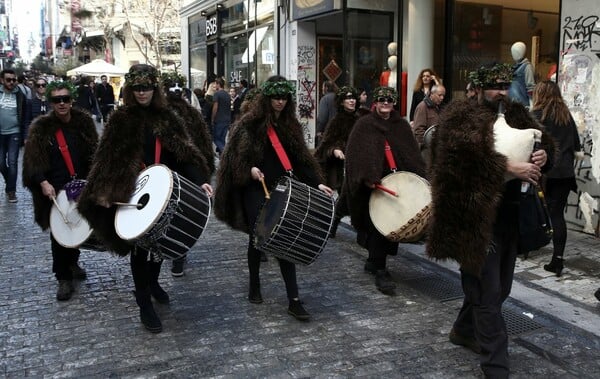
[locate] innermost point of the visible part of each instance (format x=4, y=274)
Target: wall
x=579, y=80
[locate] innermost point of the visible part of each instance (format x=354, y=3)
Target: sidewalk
x=211, y=330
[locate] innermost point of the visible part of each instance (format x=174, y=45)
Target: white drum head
x=153, y=189
x=389, y=213
x=75, y=230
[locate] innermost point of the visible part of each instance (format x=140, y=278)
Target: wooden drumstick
x=262, y=181
x=60, y=210
x=126, y=204
x=385, y=189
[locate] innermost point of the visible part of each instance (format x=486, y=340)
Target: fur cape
x=119, y=159
x=38, y=149
x=366, y=163
x=244, y=150
x=197, y=129
x=335, y=137
x=467, y=180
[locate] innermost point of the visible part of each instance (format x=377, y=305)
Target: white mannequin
x=388, y=78
x=518, y=51
x=392, y=64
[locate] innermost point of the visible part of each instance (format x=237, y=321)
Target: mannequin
x=388, y=78
x=523, y=79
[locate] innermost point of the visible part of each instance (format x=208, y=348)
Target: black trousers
x=481, y=313
x=377, y=245
x=253, y=200
x=145, y=272
x=557, y=193
x=62, y=260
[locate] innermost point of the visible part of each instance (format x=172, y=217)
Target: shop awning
x=255, y=39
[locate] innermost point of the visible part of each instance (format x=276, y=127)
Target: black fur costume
x=335, y=137
x=42, y=146
x=119, y=159
x=248, y=140
x=467, y=178
x=196, y=127
x=366, y=163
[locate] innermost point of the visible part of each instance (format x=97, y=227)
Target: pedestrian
x=250, y=157
x=363, y=102
x=550, y=109
x=475, y=211
x=366, y=165
x=46, y=170
x=426, y=79
x=236, y=101
x=220, y=115
x=105, y=94
x=470, y=92
x=86, y=98
x=196, y=128
x=331, y=151
x=14, y=119
x=22, y=84
x=427, y=113
x=141, y=133
x=39, y=103
x=326, y=110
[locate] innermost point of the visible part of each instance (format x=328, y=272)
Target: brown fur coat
x=119, y=159
x=335, y=137
x=246, y=149
x=467, y=178
x=366, y=163
x=41, y=159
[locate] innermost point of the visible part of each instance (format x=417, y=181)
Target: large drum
x=294, y=224
x=69, y=228
x=171, y=214
x=401, y=218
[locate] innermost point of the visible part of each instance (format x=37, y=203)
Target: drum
x=401, y=218
x=69, y=228
x=171, y=214
x=294, y=224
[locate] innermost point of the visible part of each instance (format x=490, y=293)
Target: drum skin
x=76, y=232
x=294, y=224
x=403, y=218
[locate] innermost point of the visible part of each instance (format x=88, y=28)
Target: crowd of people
x=257, y=138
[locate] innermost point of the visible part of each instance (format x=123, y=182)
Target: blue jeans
x=9, y=156
x=220, y=130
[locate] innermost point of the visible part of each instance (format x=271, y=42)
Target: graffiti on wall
x=579, y=78
x=307, y=91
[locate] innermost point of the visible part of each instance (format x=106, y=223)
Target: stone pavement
x=211, y=330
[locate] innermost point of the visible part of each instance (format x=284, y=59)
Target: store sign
x=308, y=8
x=211, y=26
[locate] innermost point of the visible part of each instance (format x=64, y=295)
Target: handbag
x=535, y=226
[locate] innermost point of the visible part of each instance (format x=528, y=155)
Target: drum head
x=153, y=190
x=272, y=211
x=389, y=213
x=75, y=230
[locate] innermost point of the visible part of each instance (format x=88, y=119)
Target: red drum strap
x=64, y=150
x=390, y=157
x=283, y=158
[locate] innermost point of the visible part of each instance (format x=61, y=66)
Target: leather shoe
x=65, y=290
x=297, y=310
x=555, y=266
x=150, y=319
x=254, y=296
x=371, y=269
x=597, y=294
x=465, y=341
x=384, y=283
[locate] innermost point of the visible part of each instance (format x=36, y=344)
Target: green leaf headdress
x=141, y=74
x=280, y=88
x=385, y=92
x=56, y=85
x=487, y=76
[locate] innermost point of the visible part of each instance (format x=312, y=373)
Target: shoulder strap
x=157, y=149
x=283, y=158
x=64, y=150
x=390, y=157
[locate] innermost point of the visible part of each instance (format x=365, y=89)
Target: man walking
x=221, y=114
x=106, y=97
x=14, y=117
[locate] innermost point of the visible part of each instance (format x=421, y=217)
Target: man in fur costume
x=129, y=143
x=249, y=157
x=366, y=165
x=475, y=212
x=45, y=171
x=330, y=152
x=195, y=126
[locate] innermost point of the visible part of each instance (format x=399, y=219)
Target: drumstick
x=262, y=181
x=126, y=204
x=385, y=189
x=60, y=210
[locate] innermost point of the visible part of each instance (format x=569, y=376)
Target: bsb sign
x=211, y=26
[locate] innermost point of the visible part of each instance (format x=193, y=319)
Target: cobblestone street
x=211, y=330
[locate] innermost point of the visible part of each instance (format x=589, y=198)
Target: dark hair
x=7, y=71
x=244, y=83
x=220, y=82
x=330, y=86
x=143, y=74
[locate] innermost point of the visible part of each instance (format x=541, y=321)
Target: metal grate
x=436, y=287
x=518, y=323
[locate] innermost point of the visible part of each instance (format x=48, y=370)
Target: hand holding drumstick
x=256, y=174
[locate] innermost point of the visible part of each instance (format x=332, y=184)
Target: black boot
x=159, y=294
x=384, y=282
x=254, y=295
x=555, y=266
x=597, y=294
x=297, y=310
x=148, y=317
x=334, y=227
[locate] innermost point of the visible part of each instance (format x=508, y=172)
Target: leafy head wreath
x=57, y=85
x=487, y=76
x=281, y=88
